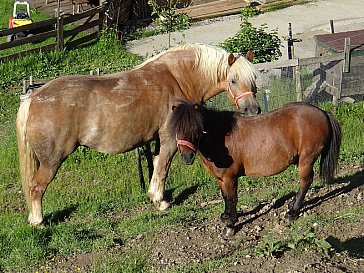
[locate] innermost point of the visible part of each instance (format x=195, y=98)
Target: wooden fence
x=65, y=38
x=328, y=73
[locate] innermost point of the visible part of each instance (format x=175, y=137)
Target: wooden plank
x=23, y=53
x=27, y=40
x=323, y=59
x=83, y=27
x=81, y=40
x=33, y=26
x=79, y=16
x=277, y=64
x=214, y=9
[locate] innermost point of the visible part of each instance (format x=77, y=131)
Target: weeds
x=298, y=241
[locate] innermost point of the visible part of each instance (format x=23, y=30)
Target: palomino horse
x=232, y=145
x=119, y=112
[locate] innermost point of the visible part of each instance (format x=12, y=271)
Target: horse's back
x=105, y=113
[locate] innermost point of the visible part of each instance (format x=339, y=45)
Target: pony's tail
x=28, y=161
x=330, y=153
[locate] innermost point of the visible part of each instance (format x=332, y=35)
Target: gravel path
x=306, y=20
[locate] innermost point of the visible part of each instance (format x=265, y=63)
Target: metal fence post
x=265, y=99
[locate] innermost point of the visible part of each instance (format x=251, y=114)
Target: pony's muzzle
x=188, y=158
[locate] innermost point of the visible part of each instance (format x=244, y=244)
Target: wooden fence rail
x=90, y=21
x=328, y=76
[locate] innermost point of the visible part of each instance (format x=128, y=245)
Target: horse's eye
x=233, y=81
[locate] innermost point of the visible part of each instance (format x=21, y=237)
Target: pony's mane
x=186, y=119
x=211, y=61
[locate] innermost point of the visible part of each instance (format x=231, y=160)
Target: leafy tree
x=264, y=45
x=167, y=16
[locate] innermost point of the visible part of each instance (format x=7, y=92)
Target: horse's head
x=186, y=123
x=241, y=85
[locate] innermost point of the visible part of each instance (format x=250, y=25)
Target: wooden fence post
x=297, y=70
x=60, y=38
x=332, y=26
x=101, y=18
x=346, y=66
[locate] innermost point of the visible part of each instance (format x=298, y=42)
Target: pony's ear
x=250, y=56
x=197, y=106
x=231, y=59
x=174, y=107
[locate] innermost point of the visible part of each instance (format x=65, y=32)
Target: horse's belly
x=110, y=143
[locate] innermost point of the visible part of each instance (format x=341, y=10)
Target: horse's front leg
x=229, y=193
x=161, y=164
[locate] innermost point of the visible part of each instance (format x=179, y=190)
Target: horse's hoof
x=229, y=232
x=35, y=222
x=162, y=205
x=37, y=225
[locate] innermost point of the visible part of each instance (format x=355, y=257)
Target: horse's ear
x=250, y=56
x=231, y=59
x=197, y=106
x=174, y=107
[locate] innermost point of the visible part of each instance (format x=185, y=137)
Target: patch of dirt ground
x=205, y=241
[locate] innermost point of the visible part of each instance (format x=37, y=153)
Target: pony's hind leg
x=306, y=177
x=37, y=187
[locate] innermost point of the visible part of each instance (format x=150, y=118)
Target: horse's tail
x=330, y=153
x=28, y=161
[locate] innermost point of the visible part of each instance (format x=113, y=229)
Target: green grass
x=95, y=204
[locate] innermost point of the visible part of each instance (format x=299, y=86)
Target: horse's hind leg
x=37, y=187
x=306, y=177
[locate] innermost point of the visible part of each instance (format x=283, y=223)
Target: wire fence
x=318, y=86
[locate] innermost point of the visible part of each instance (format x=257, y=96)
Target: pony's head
x=186, y=124
x=241, y=85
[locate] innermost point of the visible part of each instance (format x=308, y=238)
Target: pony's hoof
x=229, y=232
x=291, y=217
x=162, y=205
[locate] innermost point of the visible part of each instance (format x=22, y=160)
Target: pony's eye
x=233, y=81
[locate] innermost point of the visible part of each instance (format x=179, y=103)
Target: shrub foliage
x=265, y=45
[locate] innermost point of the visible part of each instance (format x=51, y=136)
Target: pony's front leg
x=161, y=164
x=229, y=193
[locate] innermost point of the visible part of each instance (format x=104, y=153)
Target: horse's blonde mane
x=213, y=62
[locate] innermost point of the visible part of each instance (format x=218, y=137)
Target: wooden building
x=352, y=81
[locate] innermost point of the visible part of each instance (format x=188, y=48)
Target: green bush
x=264, y=45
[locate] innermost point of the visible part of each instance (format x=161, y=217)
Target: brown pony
x=119, y=112
x=232, y=145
